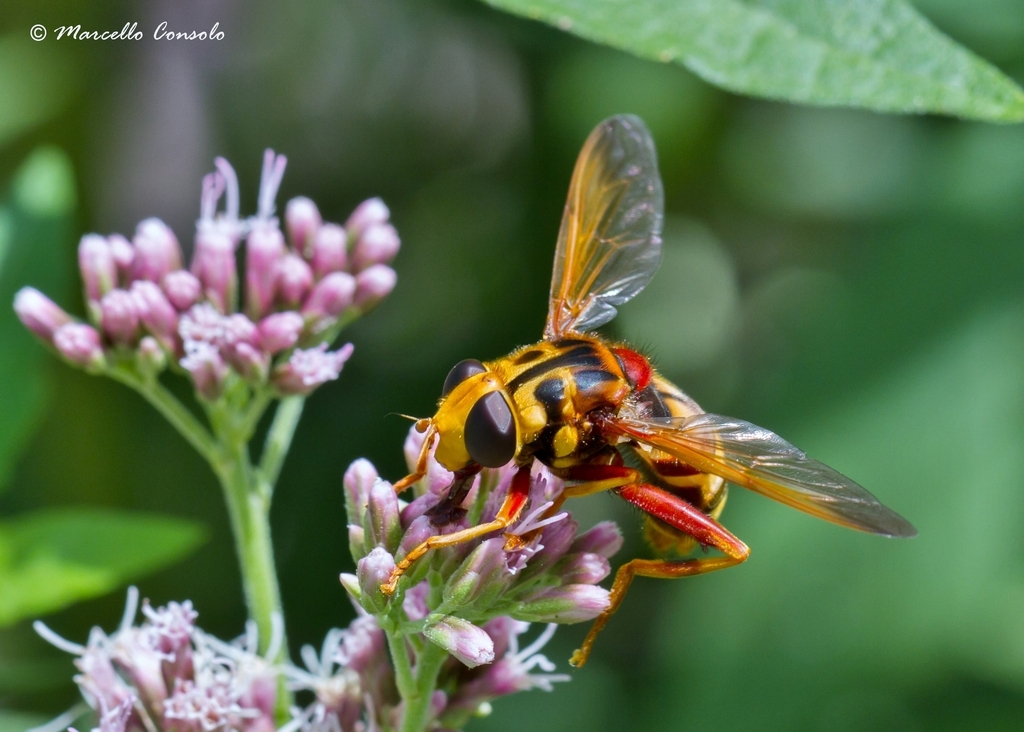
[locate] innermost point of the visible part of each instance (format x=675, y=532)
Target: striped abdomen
x=706, y=492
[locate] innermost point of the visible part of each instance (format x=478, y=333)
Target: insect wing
x=609, y=244
x=755, y=458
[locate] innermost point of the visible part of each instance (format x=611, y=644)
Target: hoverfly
x=578, y=402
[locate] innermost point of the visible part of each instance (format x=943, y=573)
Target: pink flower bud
x=373, y=570
x=467, y=642
x=363, y=646
x=140, y=663
x=502, y=630
x=604, y=539
x=38, y=313
x=294, y=278
x=239, y=329
x=263, y=250
x=359, y=479
x=96, y=262
x=182, y=289
x=482, y=574
x=251, y=363
x=202, y=323
x=383, y=525
x=260, y=693
x=80, y=344
x=207, y=368
x=213, y=263
x=378, y=245
x=150, y=355
x=116, y=719
x=156, y=312
x=330, y=296
x=280, y=331
x=310, y=368
x=565, y=604
x=123, y=252
x=369, y=212
x=419, y=528
x=157, y=251
x=240, y=347
x=119, y=317
x=373, y=284
x=415, y=601
x=330, y=247
x=99, y=679
x=585, y=568
x=302, y=220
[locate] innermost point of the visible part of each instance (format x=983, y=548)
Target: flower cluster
x=144, y=308
x=354, y=688
x=474, y=599
x=165, y=674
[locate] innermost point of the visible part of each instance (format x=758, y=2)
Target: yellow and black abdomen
x=706, y=492
x=554, y=387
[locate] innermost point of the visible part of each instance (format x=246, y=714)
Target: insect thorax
x=555, y=386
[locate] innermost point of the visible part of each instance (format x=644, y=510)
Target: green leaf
x=35, y=249
x=50, y=559
x=879, y=54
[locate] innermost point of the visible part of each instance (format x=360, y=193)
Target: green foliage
x=44, y=186
x=36, y=82
x=34, y=228
x=881, y=54
x=831, y=625
x=52, y=558
x=18, y=722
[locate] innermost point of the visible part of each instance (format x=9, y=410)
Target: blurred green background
x=852, y=281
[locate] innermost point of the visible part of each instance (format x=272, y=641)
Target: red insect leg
x=682, y=516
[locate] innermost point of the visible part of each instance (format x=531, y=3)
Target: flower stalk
x=149, y=315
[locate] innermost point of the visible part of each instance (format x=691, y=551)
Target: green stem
x=173, y=411
x=279, y=441
x=417, y=704
x=254, y=411
x=246, y=490
x=249, y=511
x=404, y=679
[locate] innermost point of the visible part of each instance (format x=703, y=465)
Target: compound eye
x=491, y=431
x=460, y=372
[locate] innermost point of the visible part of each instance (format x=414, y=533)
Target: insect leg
x=645, y=568
x=682, y=516
x=421, y=461
x=518, y=495
x=596, y=478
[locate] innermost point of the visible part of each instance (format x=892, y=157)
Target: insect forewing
x=609, y=245
x=755, y=458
